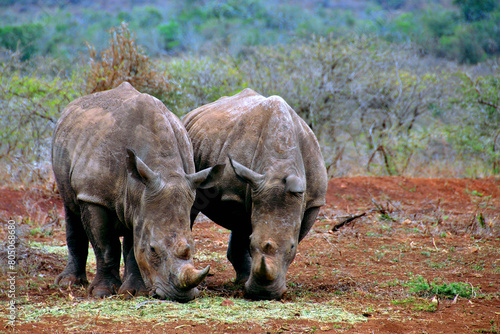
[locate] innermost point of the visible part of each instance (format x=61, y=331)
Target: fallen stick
x=347, y=221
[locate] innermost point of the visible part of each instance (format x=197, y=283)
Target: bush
x=30, y=108
x=170, y=35
x=123, y=61
x=444, y=33
x=148, y=17
x=475, y=10
x=200, y=80
x=22, y=38
x=423, y=287
x=478, y=133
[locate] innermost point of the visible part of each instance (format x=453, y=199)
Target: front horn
x=264, y=272
x=190, y=277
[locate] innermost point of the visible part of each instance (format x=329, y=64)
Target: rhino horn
x=265, y=272
x=191, y=277
x=246, y=174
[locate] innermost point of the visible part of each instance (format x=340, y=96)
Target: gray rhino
x=124, y=166
x=271, y=196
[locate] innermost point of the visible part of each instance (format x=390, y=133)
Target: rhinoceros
x=271, y=196
x=124, y=166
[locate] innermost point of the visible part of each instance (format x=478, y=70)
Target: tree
x=476, y=10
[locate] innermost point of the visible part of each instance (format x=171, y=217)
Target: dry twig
x=347, y=221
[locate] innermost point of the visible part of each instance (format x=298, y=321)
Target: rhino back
x=91, y=137
x=257, y=132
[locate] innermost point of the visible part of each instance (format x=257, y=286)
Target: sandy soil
x=444, y=230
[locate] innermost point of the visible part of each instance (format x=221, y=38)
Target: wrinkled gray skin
x=124, y=167
x=271, y=196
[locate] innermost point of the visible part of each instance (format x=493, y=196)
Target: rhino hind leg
x=239, y=256
x=133, y=284
x=78, y=248
x=99, y=224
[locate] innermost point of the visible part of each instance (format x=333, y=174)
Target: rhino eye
x=153, y=251
x=154, y=258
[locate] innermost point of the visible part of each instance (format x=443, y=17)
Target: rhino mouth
x=180, y=286
x=265, y=291
x=170, y=292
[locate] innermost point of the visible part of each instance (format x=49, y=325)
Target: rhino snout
x=181, y=286
x=258, y=291
x=170, y=293
x=266, y=281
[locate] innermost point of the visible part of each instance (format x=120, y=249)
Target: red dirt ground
x=447, y=229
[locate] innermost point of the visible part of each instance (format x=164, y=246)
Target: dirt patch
x=395, y=267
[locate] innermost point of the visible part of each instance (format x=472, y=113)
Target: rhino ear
x=207, y=177
x=246, y=174
x=295, y=184
x=139, y=169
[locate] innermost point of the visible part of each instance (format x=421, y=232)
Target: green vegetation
x=463, y=30
x=422, y=287
x=30, y=106
x=417, y=304
x=23, y=37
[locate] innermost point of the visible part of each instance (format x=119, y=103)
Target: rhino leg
x=239, y=255
x=308, y=221
x=78, y=248
x=133, y=284
x=99, y=224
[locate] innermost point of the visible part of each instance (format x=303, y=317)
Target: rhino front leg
x=78, y=248
x=239, y=255
x=133, y=284
x=99, y=224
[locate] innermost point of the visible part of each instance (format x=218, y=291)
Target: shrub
x=123, y=61
x=478, y=133
x=148, y=17
x=475, y=10
x=23, y=37
x=30, y=108
x=169, y=34
x=423, y=287
x=200, y=80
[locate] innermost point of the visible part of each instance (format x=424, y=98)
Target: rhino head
x=276, y=215
x=163, y=242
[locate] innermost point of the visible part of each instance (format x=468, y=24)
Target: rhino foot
x=133, y=287
x=102, y=287
x=241, y=278
x=68, y=279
